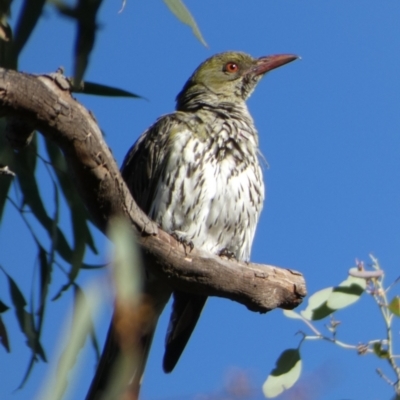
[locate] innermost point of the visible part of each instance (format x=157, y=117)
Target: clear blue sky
x=329, y=127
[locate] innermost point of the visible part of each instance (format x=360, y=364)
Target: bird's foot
x=230, y=255
x=185, y=243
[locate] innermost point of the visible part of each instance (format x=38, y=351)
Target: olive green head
x=228, y=77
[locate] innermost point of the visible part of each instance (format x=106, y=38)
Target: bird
x=197, y=173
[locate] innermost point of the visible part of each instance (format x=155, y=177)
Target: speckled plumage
x=196, y=172
x=200, y=178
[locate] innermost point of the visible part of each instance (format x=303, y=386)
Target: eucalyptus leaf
x=28, y=18
x=68, y=189
x=291, y=314
x=347, y=293
x=4, y=336
x=317, y=302
x=86, y=35
x=183, y=14
x=25, y=319
x=394, y=306
x=98, y=89
x=380, y=350
x=284, y=375
x=3, y=307
x=6, y=159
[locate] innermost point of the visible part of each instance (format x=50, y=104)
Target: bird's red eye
x=231, y=67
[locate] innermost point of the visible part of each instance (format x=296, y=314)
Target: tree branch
x=44, y=103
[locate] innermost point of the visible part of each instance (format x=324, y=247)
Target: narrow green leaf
x=127, y=261
x=86, y=12
x=45, y=279
x=6, y=158
x=84, y=308
x=394, y=306
x=76, y=206
x=183, y=14
x=284, y=375
x=24, y=318
x=17, y=297
x=64, y=9
x=95, y=343
x=94, y=266
x=27, y=372
x=79, y=246
x=3, y=336
x=44, y=282
x=25, y=169
x=3, y=307
x=7, y=58
x=30, y=13
x=98, y=89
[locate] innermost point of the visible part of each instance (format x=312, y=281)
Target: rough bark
x=44, y=103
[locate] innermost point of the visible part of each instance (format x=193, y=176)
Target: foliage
x=20, y=187
x=325, y=303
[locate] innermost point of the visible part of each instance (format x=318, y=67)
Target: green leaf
x=347, y=293
x=45, y=279
x=95, y=343
x=98, y=89
x=394, y=306
x=94, y=266
x=3, y=307
x=85, y=306
x=291, y=314
x=78, y=226
x=3, y=336
x=25, y=169
x=28, y=18
x=284, y=375
x=6, y=158
x=380, y=350
x=24, y=318
x=183, y=14
x=316, y=308
x=45, y=270
x=127, y=261
x=7, y=60
x=327, y=301
x=86, y=12
x=76, y=206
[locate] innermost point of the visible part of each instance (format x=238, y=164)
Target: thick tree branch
x=44, y=102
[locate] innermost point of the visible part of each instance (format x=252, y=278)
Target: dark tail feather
x=186, y=310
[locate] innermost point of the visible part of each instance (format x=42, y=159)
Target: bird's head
x=227, y=77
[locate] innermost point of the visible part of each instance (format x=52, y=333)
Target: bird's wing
x=142, y=169
x=145, y=161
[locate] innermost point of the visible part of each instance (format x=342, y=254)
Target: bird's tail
x=186, y=310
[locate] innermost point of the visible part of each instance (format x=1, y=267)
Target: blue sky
x=329, y=128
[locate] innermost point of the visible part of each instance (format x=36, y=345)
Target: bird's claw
x=186, y=244
x=228, y=254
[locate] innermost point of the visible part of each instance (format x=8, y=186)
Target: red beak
x=268, y=63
